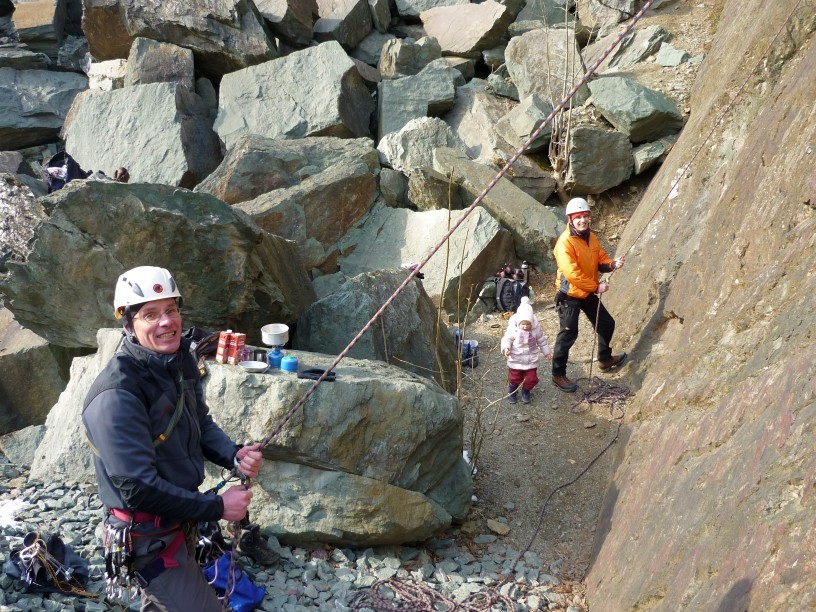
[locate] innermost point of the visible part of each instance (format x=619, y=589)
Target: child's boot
x=511, y=390
x=525, y=396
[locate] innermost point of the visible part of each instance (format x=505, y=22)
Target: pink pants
x=528, y=379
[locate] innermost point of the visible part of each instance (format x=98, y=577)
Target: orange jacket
x=579, y=263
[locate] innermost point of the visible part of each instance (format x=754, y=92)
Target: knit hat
x=525, y=310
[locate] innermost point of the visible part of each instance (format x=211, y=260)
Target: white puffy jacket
x=525, y=347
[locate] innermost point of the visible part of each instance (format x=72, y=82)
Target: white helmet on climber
x=577, y=205
x=143, y=284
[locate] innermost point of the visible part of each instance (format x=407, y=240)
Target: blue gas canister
x=289, y=363
x=273, y=358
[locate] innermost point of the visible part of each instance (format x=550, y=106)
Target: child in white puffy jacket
x=521, y=345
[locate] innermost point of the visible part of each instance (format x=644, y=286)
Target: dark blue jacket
x=129, y=405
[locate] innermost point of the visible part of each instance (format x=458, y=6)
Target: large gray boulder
x=346, y=21
x=432, y=92
x=413, y=8
x=13, y=162
x=534, y=226
x=546, y=61
x=413, y=146
x=232, y=274
x=32, y=375
x=290, y=20
x=599, y=159
x=390, y=237
x=162, y=133
x=641, y=113
x=604, y=13
x=224, y=36
x=258, y=165
x=333, y=193
x=517, y=126
x=401, y=57
x=408, y=334
x=634, y=48
x=546, y=12
x=33, y=105
x=468, y=29
x=370, y=48
x=475, y=118
x=156, y=62
x=372, y=458
x=313, y=92
x=20, y=58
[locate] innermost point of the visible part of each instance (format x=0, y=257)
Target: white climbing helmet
x=577, y=205
x=143, y=284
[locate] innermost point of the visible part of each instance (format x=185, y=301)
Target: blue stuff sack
x=245, y=596
x=470, y=353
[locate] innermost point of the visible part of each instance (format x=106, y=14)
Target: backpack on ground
x=511, y=286
x=61, y=169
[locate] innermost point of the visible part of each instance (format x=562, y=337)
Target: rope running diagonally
x=466, y=212
x=281, y=424
x=593, y=398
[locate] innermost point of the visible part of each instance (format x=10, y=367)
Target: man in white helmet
x=581, y=259
x=151, y=431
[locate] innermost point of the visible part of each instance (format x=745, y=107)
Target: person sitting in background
x=121, y=175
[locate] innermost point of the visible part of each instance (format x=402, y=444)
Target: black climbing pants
x=568, y=309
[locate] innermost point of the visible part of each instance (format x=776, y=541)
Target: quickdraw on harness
x=123, y=581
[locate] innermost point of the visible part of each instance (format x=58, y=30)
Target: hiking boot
x=525, y=396
x=565, y=384
x=253, y=545
x=511, y=390
x=612, y=362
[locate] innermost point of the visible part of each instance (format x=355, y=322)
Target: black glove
x=315, y=373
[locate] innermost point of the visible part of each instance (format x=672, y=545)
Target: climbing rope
x=397, y=595
x=614, y=396
x=282, y=423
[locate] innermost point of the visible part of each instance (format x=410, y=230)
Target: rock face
x=373, y=458
x=712, y=506
x=232, y=273
x=390, y=237
x=33, y=105
x=406, y=334
x=224, y=37
x=467, y=30
x=335, y=189
x=546, y=61
x=23, y=355
x=313, y=92
x=162, y=133
x=637, y=111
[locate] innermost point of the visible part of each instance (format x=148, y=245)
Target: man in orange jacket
x=581, y=259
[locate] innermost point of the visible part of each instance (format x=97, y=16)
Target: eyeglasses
x=154, y=317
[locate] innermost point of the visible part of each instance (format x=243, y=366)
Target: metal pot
x=275, y=334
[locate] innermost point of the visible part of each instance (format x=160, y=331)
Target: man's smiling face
x=157, y=326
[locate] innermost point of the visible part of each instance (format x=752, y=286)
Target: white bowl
x=275, y=334
x=254, y=366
